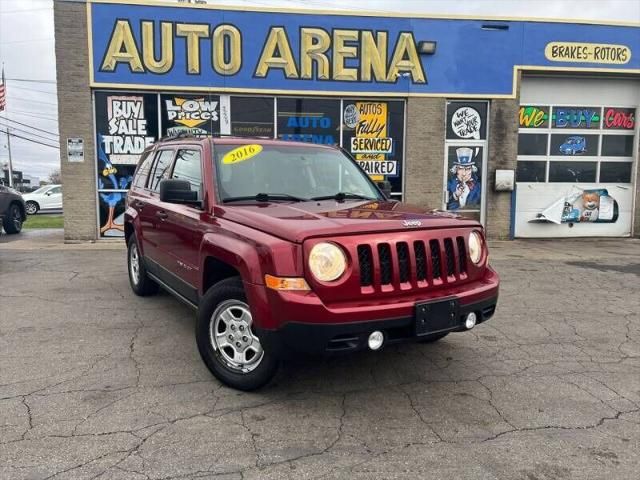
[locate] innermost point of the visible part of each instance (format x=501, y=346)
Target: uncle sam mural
x=464, y=190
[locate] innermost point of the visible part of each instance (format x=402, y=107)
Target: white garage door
x=577, y=157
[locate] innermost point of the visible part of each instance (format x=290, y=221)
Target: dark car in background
x=12, y=210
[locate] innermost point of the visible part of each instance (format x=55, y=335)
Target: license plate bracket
x=436, y=316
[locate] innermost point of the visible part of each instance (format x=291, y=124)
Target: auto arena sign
x=209, y=48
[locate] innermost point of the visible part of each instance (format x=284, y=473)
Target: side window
x=188, y=168
x=160, y=169
x=143, y=170
x=55, y=190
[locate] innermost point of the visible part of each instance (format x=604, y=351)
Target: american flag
x=3, y=93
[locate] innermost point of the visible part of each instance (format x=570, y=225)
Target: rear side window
x=161, y=169
x=188, y=168
x=143, y=170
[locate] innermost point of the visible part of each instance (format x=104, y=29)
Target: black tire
x=434, y=337
x=12, y=222
x=141, y=284
x=32, y=207
x=229, y=292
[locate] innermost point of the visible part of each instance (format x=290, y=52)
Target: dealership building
x=528, y=125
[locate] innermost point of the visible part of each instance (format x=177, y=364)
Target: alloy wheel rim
x=135, y=264
x=17, y=219
x=232, y=337
x=31, y=208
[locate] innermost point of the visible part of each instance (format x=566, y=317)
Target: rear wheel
x=140, y=282
x=227, y=341
x=13, y=221
x=31, y=207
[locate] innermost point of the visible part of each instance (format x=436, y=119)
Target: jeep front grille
x=419, y=263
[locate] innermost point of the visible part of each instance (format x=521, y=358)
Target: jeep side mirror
x=385, y=186
x=178, y=191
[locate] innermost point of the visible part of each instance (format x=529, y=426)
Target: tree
x=55, y=177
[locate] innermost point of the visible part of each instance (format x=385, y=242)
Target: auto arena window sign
x=174, y=47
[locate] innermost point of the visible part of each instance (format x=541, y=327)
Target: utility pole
x=10, y=164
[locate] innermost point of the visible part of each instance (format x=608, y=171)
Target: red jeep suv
x=284, y=246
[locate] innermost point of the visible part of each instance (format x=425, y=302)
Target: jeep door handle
x=138, y=204
x=162, y=215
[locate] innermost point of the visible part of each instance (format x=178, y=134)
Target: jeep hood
x=298, y=221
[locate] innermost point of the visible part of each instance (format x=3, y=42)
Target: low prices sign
x=371, y=142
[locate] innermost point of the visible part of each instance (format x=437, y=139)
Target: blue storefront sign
x=173, y=47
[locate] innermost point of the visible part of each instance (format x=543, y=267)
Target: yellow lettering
x=406, y=47
x=221, y=34
x=164, y=64
x=122, y=49
x=374, y=57
x=277, y=42
x=342, y=51
x=314, y=42
x=193, y=33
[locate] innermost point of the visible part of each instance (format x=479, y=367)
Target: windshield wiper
x=265, y=197
x=341, y=196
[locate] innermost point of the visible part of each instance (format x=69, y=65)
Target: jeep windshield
x=289, y=173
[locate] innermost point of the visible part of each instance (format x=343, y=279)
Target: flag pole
x=4, y=83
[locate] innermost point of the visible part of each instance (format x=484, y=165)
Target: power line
x=33, y=90
x=20, y=99
x=22, y=130
x=33, y=40
x=30, y=126
x=32, y=80
x=28, y=114
x=29, y=140
x=24, y=10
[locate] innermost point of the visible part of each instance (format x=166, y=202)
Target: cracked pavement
x=98, y=383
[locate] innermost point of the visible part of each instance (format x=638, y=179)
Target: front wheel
x=31, y=207
x=13, y=221
x=227, y=341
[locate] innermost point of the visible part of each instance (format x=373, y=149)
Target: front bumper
x=327, y=339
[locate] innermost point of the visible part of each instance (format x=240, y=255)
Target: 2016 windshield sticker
x=240, y=154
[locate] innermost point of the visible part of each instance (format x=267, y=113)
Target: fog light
x=376, y=339
x=470, y=321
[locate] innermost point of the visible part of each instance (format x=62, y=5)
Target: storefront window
x=252, y=116
x=373, y=132
x=531, y=171
x=313, y=120
x=126, y=123
x=197, y=114
x=615, y=172
x=617, y=145
x=532, y=144
x=573, y=172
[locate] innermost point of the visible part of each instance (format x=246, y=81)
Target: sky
x=27, y=51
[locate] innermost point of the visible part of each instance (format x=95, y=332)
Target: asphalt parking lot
x=97, y=383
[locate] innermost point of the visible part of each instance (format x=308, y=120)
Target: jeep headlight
x=475, y=247
x=327, y=261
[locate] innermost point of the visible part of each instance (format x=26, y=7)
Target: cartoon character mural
x=464, y=187
x=581, y=206
x=107, y=179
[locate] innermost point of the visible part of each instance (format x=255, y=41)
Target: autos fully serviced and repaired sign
x=209, y=48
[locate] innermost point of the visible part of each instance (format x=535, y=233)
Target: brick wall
x=75, y=119
x=424, y=161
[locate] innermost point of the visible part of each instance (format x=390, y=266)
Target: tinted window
x=572, y=171
x=313, y=120
x=617, y=145
x=252, y=116
x=143, y=170
x=615, y=172
x=188, y=168
x=160, y=169
x=531, y=171
x=574, y=145
x=55, y=190
x=532, y=144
